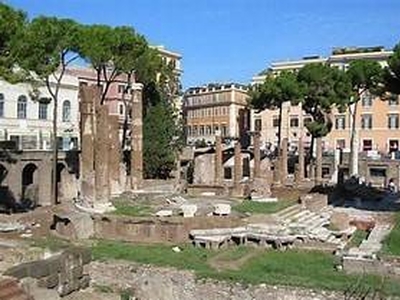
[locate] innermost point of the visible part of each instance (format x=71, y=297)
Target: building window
x=208, y=130
x=393, y=145
x=1, y=105
x=294, y=122
x=43, y=111
x=194, y=130
x=340, y=144
x=201, y=130
x=340, y=122
x=366, y=99
x=21, y=107
x=121, y=88
x=366, y=121
x=393, y=121
x=66, y=111
x=224, y=130
x=121, y=109
x=257, y=125
x=275, y=122
x=394, y=100
x=215, y=128
x=189, y=130
x=367, y=145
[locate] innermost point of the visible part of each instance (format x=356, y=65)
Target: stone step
x=307, y=217
x=287, y=212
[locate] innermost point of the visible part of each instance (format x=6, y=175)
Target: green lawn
x=132, y=210
x=391, y=244
x=311, y=269
x=262, y=208
x=357, y=238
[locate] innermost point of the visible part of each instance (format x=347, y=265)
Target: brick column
x=218, y=158
x=257, y=156
x=284, y=161
x=301, y=161
x=114, y=156
x=87, y=94
x=238, y=168
x=101, y=151
x=318, y=167
x=137, y=138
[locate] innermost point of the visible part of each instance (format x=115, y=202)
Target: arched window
x=66, y=111
x=1, y=105
x=21, y=107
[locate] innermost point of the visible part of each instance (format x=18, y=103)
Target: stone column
x=101, y=152
x=88, y=192
x=238, y=168
x=318, y=165
x=336, y=163
x=218, y=158
x=301, y=161
x=284, y=161
x=257, y=156
x=114, y=155
x=137, y=138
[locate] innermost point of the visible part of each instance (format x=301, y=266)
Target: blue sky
x=232, y=40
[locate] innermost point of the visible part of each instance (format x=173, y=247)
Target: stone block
x=314, y=202
x=164, y=213
x=48, y=282
x=264, y=199
x=189, y=210
x=222, y=209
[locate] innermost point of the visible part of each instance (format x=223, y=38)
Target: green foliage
x=274, y=91
x=12, y=23
x=391, y=75
x=112, y=51
x=391, y=244
x=323, y=88
x=44, y=47
x=262, y=208
x=159, y=131
x=357, y=238
x=132, y=210
x=364, y=75
x=310, y=269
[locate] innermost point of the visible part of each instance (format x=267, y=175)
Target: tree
x=159, y=132
x=45, y=48
x=12, y=23
x=275, y=91
x=391, y=74
x=160, y=91
x=323, y=88
x=112, y=51
x=365, y=77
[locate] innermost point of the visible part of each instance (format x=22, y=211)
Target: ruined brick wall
x=154, y=230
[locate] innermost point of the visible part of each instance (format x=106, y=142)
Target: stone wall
x=204, y=169
x=156, y=230
x=63, y=272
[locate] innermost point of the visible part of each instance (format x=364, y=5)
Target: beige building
x=216, y=107
x=377, y=122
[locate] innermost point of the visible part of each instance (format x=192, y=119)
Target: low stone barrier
x=63, y=271
x=156, y=230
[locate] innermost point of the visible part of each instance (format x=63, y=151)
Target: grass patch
x=51, y=242
x=132, y=210
x=254, y=207
x=310, y=269
x=391, y=244
x=102, y=288
x=357, y=238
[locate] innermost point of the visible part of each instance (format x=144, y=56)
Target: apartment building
x=377, y=121
x=216, y=107
x=27, y=119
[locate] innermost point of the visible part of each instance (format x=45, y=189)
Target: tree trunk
x=353, y=152
x=55, y=154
